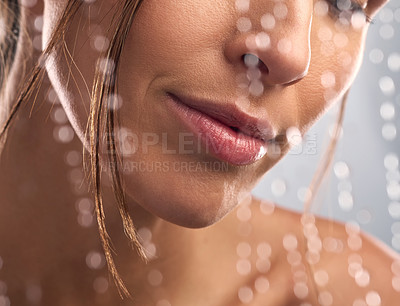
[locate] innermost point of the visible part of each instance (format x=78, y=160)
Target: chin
x=187, y=207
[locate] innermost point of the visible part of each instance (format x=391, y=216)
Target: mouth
x=227, y=133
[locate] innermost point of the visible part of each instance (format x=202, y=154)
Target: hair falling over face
x=100, y=119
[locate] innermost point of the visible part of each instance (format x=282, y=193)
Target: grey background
x=369, y=136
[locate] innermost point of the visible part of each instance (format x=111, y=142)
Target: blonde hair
x=101, y=119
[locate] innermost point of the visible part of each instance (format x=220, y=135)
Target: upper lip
x=230, y=115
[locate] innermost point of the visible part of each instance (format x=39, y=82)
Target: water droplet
x=251, y=60
x=4, y=301
x=359, y=302
x=358, y=20
x=278, y=187
x=362, y=278
x=352, y=228
x=373, y=298
x=294, y=136
x=397, y=15
x=155, y=278
x=364, y=216
x=300, y=290
x=386, y=31
x=256, y=88
x=100, y=285
x=321, y=8
x=391, y=161
x=354, y=242
x=263, y=41
x=394, y=210
x=328, y=79
x=386, y=15
x=290, y=242
x=37, y=42
x=394, y=62
x=84, y=205
x=393, y=190
x=245, y=295
x=85, y=219
x=34, y=293
x=63, y=134
x=267, y=208
x=395, y=228
x=268, y=21
x=312, y=257
x=280, y=10
x=243, y=266
x=389, y=131
x=387, y=111
x=325, y=298
x=261, y=284
x=114, y=102
x=396, y=242
x=145, y=235
x=355, y=258
x=341, y=170
x=151, y=250
x=264, y=250
x=395, y=267
x=243, y=250
x=243, y=24
x=243, y=213
x=332, y=245
x=303, y=194
x=294, y=258
x=387, y=85
x=73, y=158
x=95, y=260
x=376, y=56
x=163, y=303
x=242, y=5
x=38, y=23
x=345, y=200
x=314, y=244
x=396, y=283
x=28, y=3
x=263, y=265
x=321, y=278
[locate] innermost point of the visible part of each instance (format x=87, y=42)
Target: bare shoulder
x=347, y=266
x=362, y=270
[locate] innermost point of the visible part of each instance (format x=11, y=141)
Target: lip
x=227, y=133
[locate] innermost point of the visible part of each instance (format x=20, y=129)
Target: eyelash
x=354, y=8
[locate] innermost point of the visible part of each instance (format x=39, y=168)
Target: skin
x=155, y=61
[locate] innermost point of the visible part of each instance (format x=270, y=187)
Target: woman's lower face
x=211, y=94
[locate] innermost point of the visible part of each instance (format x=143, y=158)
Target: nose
x=278, y=41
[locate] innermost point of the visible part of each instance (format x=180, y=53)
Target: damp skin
x=201, y=49
x=205, y=57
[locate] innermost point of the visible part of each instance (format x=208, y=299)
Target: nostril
x=263, y=68
x=253, y=61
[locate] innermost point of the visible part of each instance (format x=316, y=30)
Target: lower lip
x=218, y=139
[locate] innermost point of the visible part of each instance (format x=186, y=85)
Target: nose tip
x=284, y=63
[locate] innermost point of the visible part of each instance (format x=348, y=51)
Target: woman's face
x=211, y=93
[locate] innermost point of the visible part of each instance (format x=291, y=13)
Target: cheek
x=71, y=66
x=335, y=61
